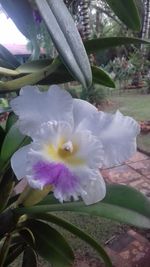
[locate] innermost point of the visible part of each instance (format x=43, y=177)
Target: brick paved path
x=131, y=249
x=135, y=173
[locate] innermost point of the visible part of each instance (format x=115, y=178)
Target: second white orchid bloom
x=71, y=140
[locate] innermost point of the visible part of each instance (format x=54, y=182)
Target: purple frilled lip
x=57, y=175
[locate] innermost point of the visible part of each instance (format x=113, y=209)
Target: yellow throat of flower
x=65, y=152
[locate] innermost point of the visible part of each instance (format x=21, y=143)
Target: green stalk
x=32, y=78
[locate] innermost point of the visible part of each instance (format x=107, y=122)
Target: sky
x=9, y=34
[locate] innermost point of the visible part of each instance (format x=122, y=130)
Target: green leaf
x=27, y=68
x=50, y=244
x=14, y=251
x=29, y=258
x=129, y=198
x=27, y=235
x=127, y=12
x=4, y=250
x=32, y=78
x=66, y=39
x=2, y=136
x=33, y=66
x=6, y=187
x=12, y=142
x=5, y=64
x=61, y=75
x=101, y=77
x=122, y=203
x=11, y=120
x=7, y=57
x=99, y=44
x=49, y=199
x=77, y=232
x=7, y=222
x=8, y=72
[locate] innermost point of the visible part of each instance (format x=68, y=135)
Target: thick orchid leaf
x=5, y=64
x=8, y=58
x=32, y=78
x=8, y=72
x=129, y=198
x=122, y=203
x=7, y=222
x=95, y=45
x=102, y=77
x=66, y=39
x=13, y=141
x=2, y=136
x=4, y=249
x=62, y=76
x=14, y=251
x=127, y=12
x=33, y=66
x=11, y=120
x=77, y=232
x=50, y=244
x=29, y=258
x=27, y=236
x=58, y=76
x=27, y=68
x=49, y=200
x=6, y=187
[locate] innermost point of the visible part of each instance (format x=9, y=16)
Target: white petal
x=81, y=110
x=119, y=139
x=90, y=148
x=34, y=107
x=19, y=162
x=117, y=134
x=50, y=133
x=95, y=189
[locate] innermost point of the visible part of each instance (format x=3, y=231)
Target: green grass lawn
x=137, y=106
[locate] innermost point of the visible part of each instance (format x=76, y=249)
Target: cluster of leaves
x=121, y=68
x=20, y=228
x=140, y=63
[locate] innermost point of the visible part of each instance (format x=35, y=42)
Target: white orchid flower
x=71, y=140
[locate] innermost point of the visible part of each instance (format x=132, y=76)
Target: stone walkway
x=135, y=173
x=131, y=249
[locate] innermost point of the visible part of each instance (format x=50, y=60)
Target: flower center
x=64, y=152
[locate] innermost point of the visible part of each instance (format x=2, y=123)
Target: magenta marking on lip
x=56, y=174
